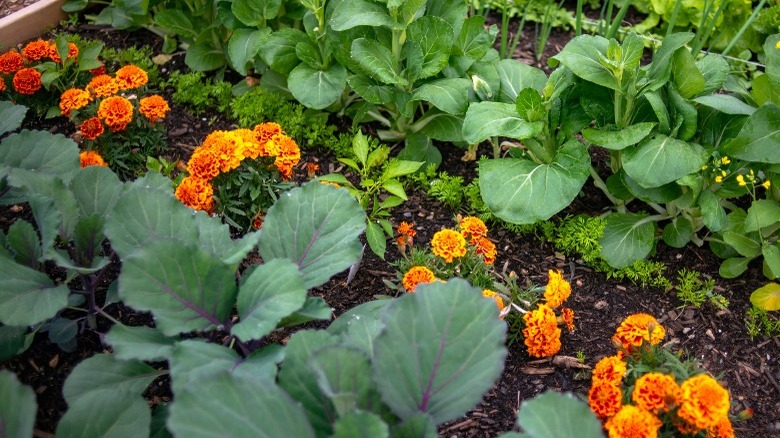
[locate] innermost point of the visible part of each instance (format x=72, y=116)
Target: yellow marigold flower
x=656, y=392
x=605, y=399
x=102, y=86
x=486, y=248
x=487, y=293
x=227, y=147
x=718, y=179
x=407, y=229
x=541, y=332
x=91, y=158
x=153, y=107
x=704, y=402
x=252, y=146
x=633, y=422
x=131, y=76
x=11, y=62
x=448, y=244
x=73, y=99
x=557, y=290
x=610, y=369
x=73, y=51
x=27, y=81
x=473, y=228
x=264, y=131
x=636, y=329
x=766, y=184
x=36, y=50
x=567, y=317
x=196, y=193
x=741, y=180
x=203, y=164
x=116, y=112
x=723, y=429
x=725, y=160
x=417, y=275
x=91, y=128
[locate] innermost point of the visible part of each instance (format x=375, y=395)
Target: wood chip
x=569, y=362
x=537, y=371
x=54, y=361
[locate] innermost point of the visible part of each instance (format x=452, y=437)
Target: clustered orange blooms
x=91, y=158
x=416, y=275
x=698, y=404
x=223, y=151
x=450, y=244
x=541, y=333
x=26, y=79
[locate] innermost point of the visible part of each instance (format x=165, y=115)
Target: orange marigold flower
x=116, y=112
x=487, y=293
x=11, y=62
x=73, y=99
x=557, y=290
x=287, y=154
x=91, y=128
x=73, y=51
x=541, y=332
x=2, y=84
x=567, y=317
x=227, y=147
x=36, y=50
x=131, y=76
x=27, y=81
x=153, y=107
x=723, y=429
x=417, y=275
x=605, y=399
x=473, y=228
x=252, y=147
x=633, y=422
x=407, y=229
x=264, y=131
x=636, y=329
x=656, y=392
x=203, y=164
x=312, y=169
x=91, y=158
x=257, y=221
x=610, y=369
x=448, y=244
x=102, y=86
x=196, y=193
x=704, y=402
x=98, y=71
x=486, y=248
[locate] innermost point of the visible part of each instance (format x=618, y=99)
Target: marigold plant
x=472, y=227
x=557, y=290
x=633, y=422
x=196, y=193
x=487, y=293
x=103, y=86
x=605, y=399
x=417, y=275
x=448, y=244
x=11, y=62
x=73, y=52
x=2, y=84
x=609, y=369
x=567, y=315
x=91, y=128
x=91, y=158
x=541, y=332
x=486, y=248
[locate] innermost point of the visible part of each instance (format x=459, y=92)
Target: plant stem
x=599, y=183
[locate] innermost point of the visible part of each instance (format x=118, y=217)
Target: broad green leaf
x=762, y=213
x=106, y=372
x=11, y=116
x=278, y=50
x=185, y=287
x=17, y=406
x=377, y=61
x=316, y=226
x=246, y=407
x=396, y=168
x=370, y=90
x=758, y=139
x=74, y=5
x=353, y=13
x=253, y=13
x=344, y=376
x=96, y=189
x=46, y=192
x=418, y=425
x=214, y=236
x=715, y=70
x=663, y=194
x=419, y=147
x=360, y=148
x=407, y=9
x=244, y=45
x=376, y=238
x=687, y=76
x=660, y=69
x=141, y=343
x=309, y=53
x=454, y=12
x=204, y=57
x=435, y=38
x=733, y=267
x=618, y=139
x=441, y=349
x=767, y=297
x=157, y=427
x=23, y=241
x=661, y=111
x=106, y=412
x=194, y=361
x=268, y=293
x=530, y=106
x=41, y=152
x=28, y=296
x=745, y=246
x=572, y=417
x=13, y=340
x=678, y=232
x=443, y=127
x=626, y=239
x=141, y=216
x=360, y=325
x=448, y=95
x=515, y=76
x=315, y=88
x=489, y=119
x=726, y=103
x=713, y=214
x=360, y=424
x=660, y=159
x=513, y=188
x=582, y=55
x=176, y=21
x=474, y=41
x=315, y=308
x=296, y=378
x=771, y=255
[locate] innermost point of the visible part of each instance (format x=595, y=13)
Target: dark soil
x=748, y=368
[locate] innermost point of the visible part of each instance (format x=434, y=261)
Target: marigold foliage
x=656, y=392
x=541, y=332
x=417, y=275
x=91, y=128
x=131, y=76
x=196, y=193
x=116, y=112
x=448, y=244
x=91, y=158
x=605, y=399
x=705, y=403
x=27, y=81
x=153, y=107
x=610, y=369
x=73, y=99
x=633, y=422
x=558, y=289
x=11, y=62
x=636, y=329
x=36, y=50
x=102, y=86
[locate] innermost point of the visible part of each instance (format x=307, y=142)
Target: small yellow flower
x=718, y=179
x=704, y=167
x=777, y=46
x=723, y=173
x=725, y=160
x=766, y=184
x=741, y=180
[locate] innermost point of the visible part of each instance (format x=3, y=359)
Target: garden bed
x=748, y=367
